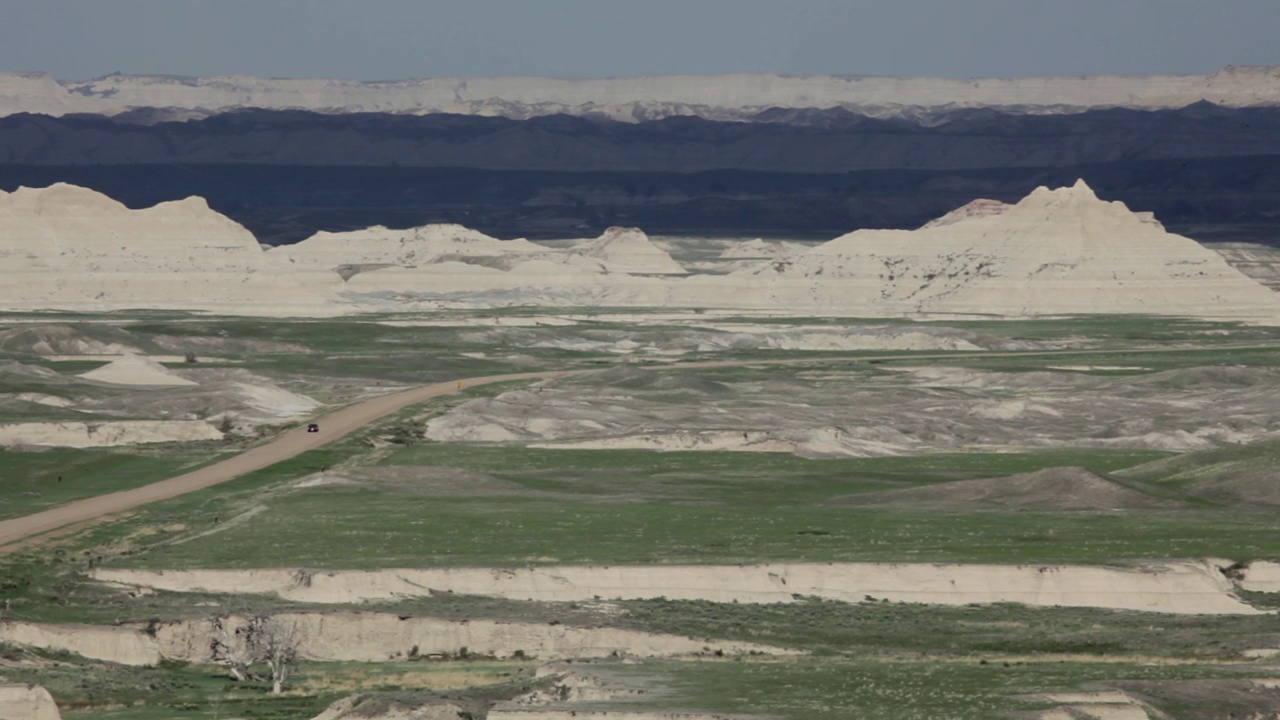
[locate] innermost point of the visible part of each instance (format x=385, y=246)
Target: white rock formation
x=378, y=637
x=358, y=707
x=106, y=434
x=553, y=280
x=124, y=646
x=1104, y=705
x=629, y=250
x=1185, y=587
x=27, y=702
x=410, y=247
x=450, y=260
x=373, y=637
x=973, y=209
x=136, y=370
x=1056, y=252
x=758, y=249
x=724, y=97
x=69, y=248
x=1262, y=576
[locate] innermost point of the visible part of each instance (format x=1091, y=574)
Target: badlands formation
x=1176, y=587
x=373, y=637
x=720, y=97
x=68, y=248
x=1056, y=252
x=26, y=702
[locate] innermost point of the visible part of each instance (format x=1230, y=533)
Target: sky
x=401, y=39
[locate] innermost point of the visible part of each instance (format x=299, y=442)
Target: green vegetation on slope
x=35, y=480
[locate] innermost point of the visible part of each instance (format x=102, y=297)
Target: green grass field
x=694, y=507
x=357, y=529
x=31, y=481
x=868, y=660
x=904, y=689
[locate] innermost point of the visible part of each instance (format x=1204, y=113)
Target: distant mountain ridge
x=814, y=141
x=736, y=97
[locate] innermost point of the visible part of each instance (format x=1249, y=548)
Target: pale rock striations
x=758, y=249
x=136, y=370
x=106, y=434
x=450, y=261
x=381, y=246
x=717, y=97
x=629, y=250
x=1180, y=587
x=27, y=702
x=553, y=280
x=124, y=646
x=328, y=260
x=69, y=248
x=981, y=207
x=379, y=637
x=373, y=707
x=1056, y=252
x=372, y=637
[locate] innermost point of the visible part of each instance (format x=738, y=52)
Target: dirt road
x=291, y=444
x=349, y=419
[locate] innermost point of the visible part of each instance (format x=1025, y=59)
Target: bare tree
x=280, y=640
x=241, y=642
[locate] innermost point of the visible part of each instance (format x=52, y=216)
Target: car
x=313, y=427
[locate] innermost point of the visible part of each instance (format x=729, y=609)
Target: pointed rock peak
x=620, y=233
x=631, y=250
x=1078, y=193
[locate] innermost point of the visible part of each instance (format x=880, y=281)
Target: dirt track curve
x=349, y=419
x=293, y=443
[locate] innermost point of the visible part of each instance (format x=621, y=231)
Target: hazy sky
x=393, y=39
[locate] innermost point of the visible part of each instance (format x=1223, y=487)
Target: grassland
x=34, y=480
x=903, y=689
x=640, y=507
x=539, y=506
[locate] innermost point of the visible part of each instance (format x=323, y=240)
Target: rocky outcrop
x=27, y=702
x=379, y=246
x=978, y=208
x=373, y=637
x=136, y=370
x=69, y=248
x=1187, y=587
x=377, y=637
x=629, y=250
x=1261, y=576
x=363, y=707
x=124, y=646
x=1056, y=252
x=107, y=434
